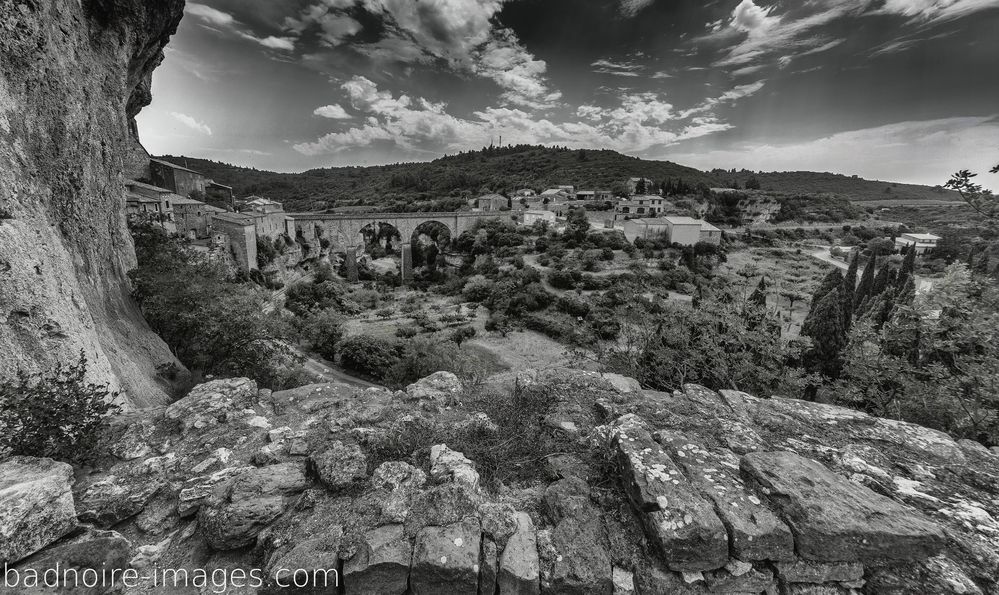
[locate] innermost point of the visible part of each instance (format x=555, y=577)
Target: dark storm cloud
x=313, y=82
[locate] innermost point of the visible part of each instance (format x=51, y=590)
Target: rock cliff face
x=691, y=492
x=73, y=74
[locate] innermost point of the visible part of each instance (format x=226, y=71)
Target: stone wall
x=72, y=77
x=684, y=493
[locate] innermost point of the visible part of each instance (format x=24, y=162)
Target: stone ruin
x=691, y=492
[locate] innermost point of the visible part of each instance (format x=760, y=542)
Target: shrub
x=462, y=334
x=324, y=331
x=55, y=414
x=368, y=355
x=407, y=332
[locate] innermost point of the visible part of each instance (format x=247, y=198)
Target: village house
x=193, y=218
x=151, y=203
x=525, y=193
x=594, y=195
x=268, y=217
x=240, y=234
x=642, y=205
x=684, y=231
x=532, y=217
x=492, y=202
x=177, y=179
x=923, y=242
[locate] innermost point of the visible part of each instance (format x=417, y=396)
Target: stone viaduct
x=344, y=230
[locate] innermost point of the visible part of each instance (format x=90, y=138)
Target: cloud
x=922, y=152
x=191, y=123
x=935, y=10
x=223, y=21
x=637, y=123
x=730, y=96
x=210, y=15
x=461, y=34
x=630, y=8
x=605, y=66
x=333, y=112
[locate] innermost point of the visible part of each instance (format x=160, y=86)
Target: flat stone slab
x=836, y=520
x=755, y=532
x=36, y=505
x=446, y=560
x=682, y=524
x=519, y=566
x=381, y=564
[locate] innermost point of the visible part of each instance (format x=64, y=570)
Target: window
x=168, y=204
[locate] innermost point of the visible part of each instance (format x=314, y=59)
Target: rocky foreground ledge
x=689, y=492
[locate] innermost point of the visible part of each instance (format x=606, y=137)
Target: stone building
x=492, y=202
x=241, y=237
x=151, y=203
x=643, y=205
x=177, y=179
x=684, y=231
x=193, y=218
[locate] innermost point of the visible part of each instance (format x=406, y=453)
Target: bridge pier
x=406, y=269
x=350, y=265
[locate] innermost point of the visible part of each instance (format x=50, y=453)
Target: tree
x=716, y=345
x=866, y=286
x=833, y=280
x=370, y=356
x=979, y=198
x=825, y=328
x=752, y=184
x=323, y=330
x=55, y=414
x=212, y=322
x=759, y=295
x=849, y=288
x=939, y=370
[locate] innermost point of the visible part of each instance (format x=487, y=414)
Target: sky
x=901, y=90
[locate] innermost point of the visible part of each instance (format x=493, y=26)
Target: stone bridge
x=343, y=230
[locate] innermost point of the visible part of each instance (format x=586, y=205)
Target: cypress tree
x=848, y=290
x=866, y=287
x=881, y=279
x=832, y=281
x=908, y=267
x=828, y=336
x=759, y=296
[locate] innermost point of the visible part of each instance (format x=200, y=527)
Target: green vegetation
x=213, y=321
x=56, y=414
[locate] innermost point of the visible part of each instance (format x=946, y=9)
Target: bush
x=56, y=414
x=368, y=355
x=407, y=332
x=324, y=331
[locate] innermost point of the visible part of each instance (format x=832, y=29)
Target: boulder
x=236, y=511
x=624, y=581
x=754, y=531
x=450, y=465
x=36, y=505
x=803, y=571
x=681, y=523
x=567, y=498
x=211, y=402
x=438, y=389
x=441, y=505
x=581, y=563
x=395, y=484
x=112, y=499
x=499, y=521
x=133, y=443
x=836, y=520
x=752, y=581
x=316, y=558
x=519, y=566
x=381, y=564
x=196, y=489
x=101, y=551
x=340, y=466
x=446, y=560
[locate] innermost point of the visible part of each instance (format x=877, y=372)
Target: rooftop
x=684, y=221
x=237, y=218
x=174, y=166
x=922, y=237
x=133, y=197
x=144, y=186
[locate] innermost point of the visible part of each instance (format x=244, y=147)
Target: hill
x=445, y=183
x=851, y=187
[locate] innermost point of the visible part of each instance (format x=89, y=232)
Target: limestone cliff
x=73, y=74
